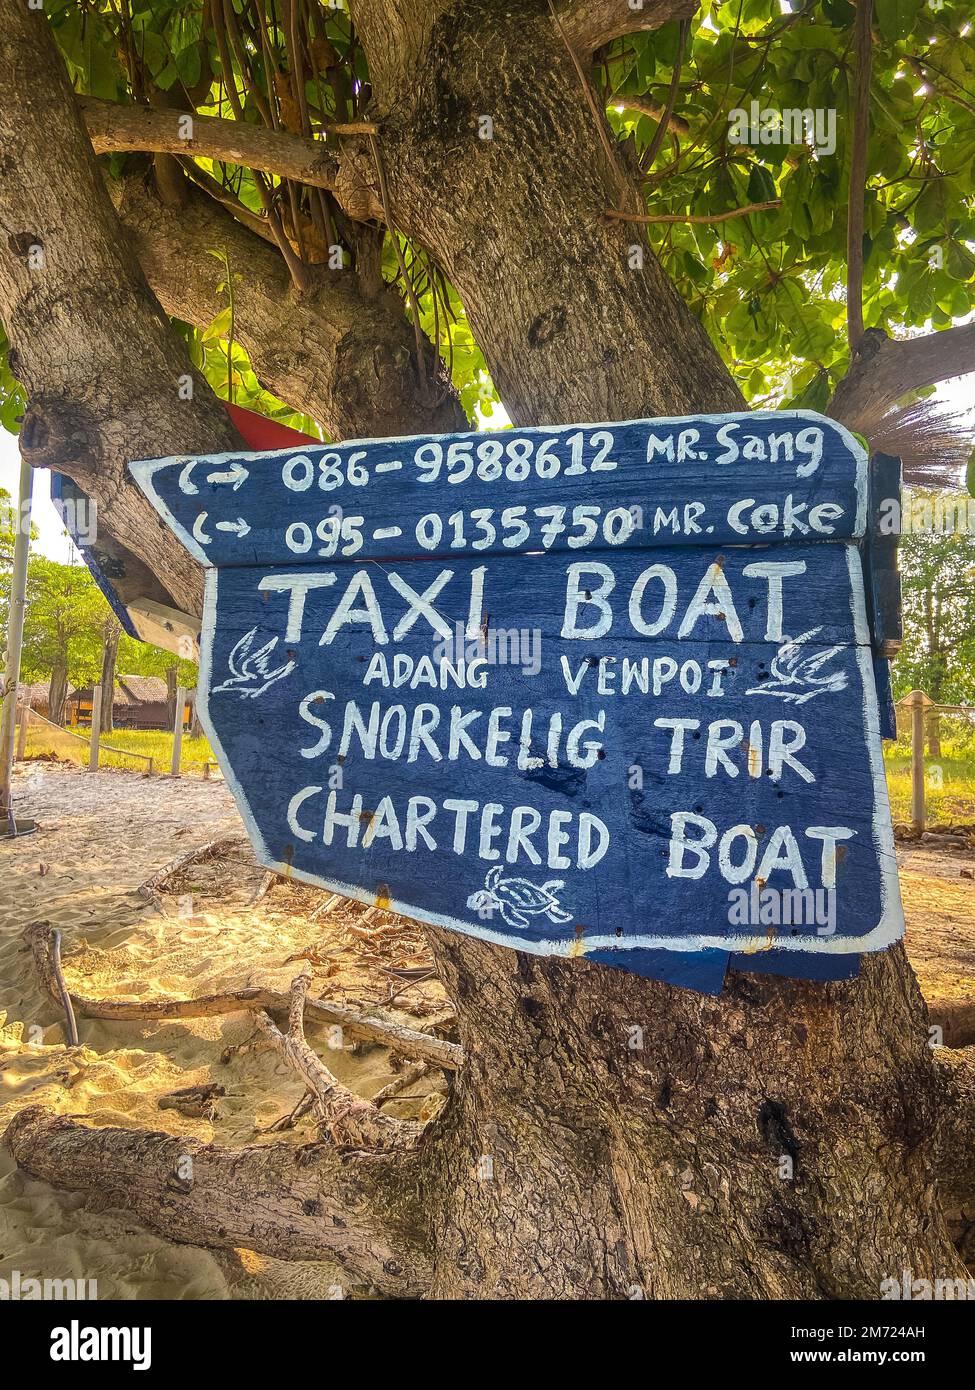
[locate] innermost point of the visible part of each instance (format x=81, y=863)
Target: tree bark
x=70, y=294
x=307, y=1203
x=58, y=690
x=347, y=357
x=780, y=1140
x=572, y=310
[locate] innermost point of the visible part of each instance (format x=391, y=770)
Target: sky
x=53, y=542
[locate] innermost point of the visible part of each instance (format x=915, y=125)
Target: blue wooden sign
x=602, y=690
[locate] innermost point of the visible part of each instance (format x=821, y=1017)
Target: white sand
x=100, y=836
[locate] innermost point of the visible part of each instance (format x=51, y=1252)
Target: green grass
x=949, y=791
x=149, y=743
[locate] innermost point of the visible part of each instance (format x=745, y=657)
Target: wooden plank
x=714, y=479
x=609, y=751
x=96, y=727
x=178, y=730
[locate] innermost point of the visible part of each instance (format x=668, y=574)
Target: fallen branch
x=150, y=889
x=196, y=1102
x=266, y=884
x=325, y=906
x=412, y=1073
x=306, y=1202
x=62, y=989
x=383, y=1031
x=351, y=1121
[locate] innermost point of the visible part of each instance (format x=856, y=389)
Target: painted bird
x=795, y=673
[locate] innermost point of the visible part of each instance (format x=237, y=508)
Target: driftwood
x=349, y=1120
x=384, y=1031
x=62, y=989
x=399, y=1083
x=265, y=886
x=196, y=1102
x=325, y=906
x=150, y=889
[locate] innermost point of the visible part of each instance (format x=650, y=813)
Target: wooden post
x=178, y=729
x=15, y=635
x=917, y=702
x=22, y=731
x=96, y=727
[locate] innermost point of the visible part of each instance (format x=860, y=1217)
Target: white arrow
x=198, y=531
x=185, y=483
x=237, y=474
x=239, y=526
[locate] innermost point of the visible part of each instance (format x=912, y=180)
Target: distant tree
x=111, y=632
x=937, y=564
x=142, y=659
x=66, y=612
x=7, y=530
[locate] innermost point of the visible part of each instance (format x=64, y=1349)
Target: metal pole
x=178, y=729
x=15, y=634
x=96, y=726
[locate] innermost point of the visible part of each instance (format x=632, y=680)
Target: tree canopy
x=754, y=235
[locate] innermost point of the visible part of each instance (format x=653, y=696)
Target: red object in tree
x=261, y=433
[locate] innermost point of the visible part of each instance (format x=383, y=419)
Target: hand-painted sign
x=603, y=690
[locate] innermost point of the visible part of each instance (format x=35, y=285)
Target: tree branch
x=707, y=217
x=646, y=106
x=588, y=24
x=106, y=375
x=351, y=1121
x=293, y=1203
x=858, y=171
x=345, y=358
x=39, y=937
x=114, y=128
x=885, y=369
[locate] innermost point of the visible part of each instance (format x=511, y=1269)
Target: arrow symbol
x=237, y=474
x=198, y=530
x=185, y=482
x=239, y=526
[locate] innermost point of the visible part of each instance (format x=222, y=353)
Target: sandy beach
x=100, y=836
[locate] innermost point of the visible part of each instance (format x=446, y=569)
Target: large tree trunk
x=573, y=312
x=658, y=1168
x=105, y=373
x=779, y=1140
